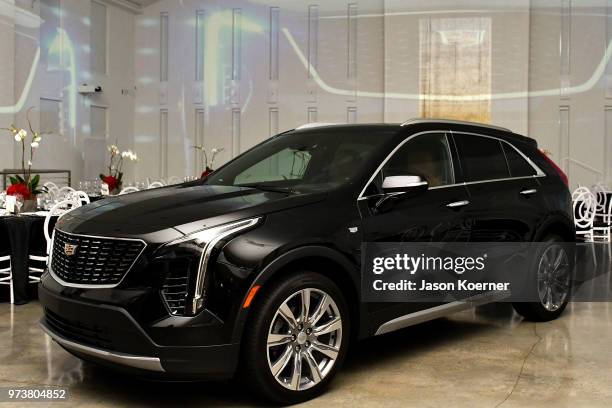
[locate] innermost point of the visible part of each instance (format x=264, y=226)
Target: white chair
x=156, y=184
x=129, y=190
x=6, y=275
x=58, y=210
x=64, y=192
x=52, y=189
x=584, y=215
x=604, y=231
x=81, y=196
x=580, y=190
x=601, y=190
x=607, y=217
x=6, y=271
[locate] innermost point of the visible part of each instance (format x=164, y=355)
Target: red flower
x=111, y=181
x=19, y=189
x=206, y=172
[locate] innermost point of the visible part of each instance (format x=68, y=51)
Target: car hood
x=163, y=214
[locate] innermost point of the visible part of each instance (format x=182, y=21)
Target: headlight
x=203, y=243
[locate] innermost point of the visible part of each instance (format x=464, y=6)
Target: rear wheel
x=297, y=339
x=553, y=266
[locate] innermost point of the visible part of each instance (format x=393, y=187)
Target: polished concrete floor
x=488, y=357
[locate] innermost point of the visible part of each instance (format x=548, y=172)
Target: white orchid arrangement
x=25, y=182
x=208, y=166
x=115, y=166
x=117, y=158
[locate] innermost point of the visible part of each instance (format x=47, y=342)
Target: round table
x=25, y=237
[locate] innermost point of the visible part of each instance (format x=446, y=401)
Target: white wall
x=253, y=96
x=526, y=73
x=70, y=147
x=527, y=76
x=118, y=85
x=7, y=79
x=589, y=88
x=385, y=88
x=509, y=25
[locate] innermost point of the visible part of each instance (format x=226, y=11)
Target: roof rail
x=315, y=124
x=455, y=122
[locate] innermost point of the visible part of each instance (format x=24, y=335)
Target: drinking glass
x=97, y=187
x=18, y=202
x=47, y=201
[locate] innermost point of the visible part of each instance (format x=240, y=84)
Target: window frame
x=449, y=145
x=539, y=172
x=452, y=133
x=463, y=160
x=509, y=148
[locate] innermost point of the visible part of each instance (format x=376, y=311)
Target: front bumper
x=109, y=335
x=128, y=360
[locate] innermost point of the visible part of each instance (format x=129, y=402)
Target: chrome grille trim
x=94, y=237
x=175, y=291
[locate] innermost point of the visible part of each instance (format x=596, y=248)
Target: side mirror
x=404, y=184
x=401, y=186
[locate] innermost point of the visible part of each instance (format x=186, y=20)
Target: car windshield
x=301, y=161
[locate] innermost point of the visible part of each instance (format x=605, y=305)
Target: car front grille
x=85, y=260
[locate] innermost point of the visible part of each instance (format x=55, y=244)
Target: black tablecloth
x=22, y=236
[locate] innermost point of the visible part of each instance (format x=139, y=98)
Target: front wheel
x=553, y=267
x=297, y=338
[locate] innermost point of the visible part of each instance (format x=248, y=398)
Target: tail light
x=560, y=172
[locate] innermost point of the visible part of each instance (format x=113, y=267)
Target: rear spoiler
x=514, y=137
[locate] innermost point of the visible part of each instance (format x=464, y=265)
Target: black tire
x=257, y=363
x=536, y=311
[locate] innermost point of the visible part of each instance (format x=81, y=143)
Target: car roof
x=348, y=127
x=421, y=124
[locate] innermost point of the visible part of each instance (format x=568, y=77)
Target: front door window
x=427, y=156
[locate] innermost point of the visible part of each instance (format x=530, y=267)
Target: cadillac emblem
x=70, y=249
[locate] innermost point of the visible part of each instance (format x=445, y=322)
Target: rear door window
x=519, y=167
x=482, y=158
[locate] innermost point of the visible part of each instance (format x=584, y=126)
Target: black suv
x=256, y=269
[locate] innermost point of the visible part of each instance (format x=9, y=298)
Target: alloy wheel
x=553, y=277
x=304, y=339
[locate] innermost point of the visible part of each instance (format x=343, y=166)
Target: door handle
x=457, y=204
x=529, y=192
